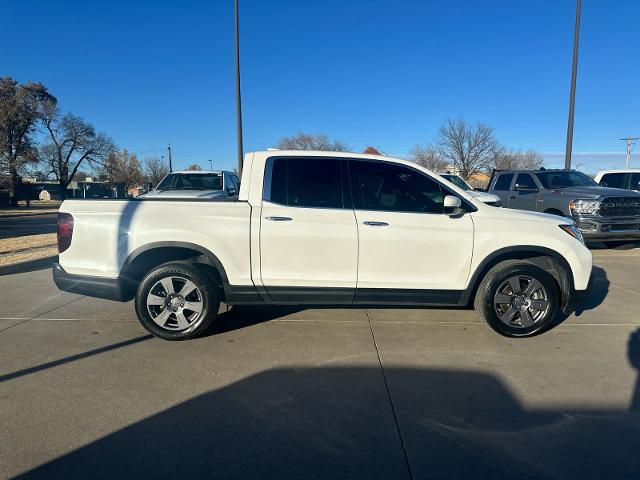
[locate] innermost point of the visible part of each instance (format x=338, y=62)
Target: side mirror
x=452, y=205
x=525, y=189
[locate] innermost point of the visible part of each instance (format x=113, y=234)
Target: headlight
x=584, y=207
x=573, y=231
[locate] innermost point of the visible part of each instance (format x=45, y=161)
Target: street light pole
x=238, y=101
x=170, y=165
x=210, y=164
x=572, y=98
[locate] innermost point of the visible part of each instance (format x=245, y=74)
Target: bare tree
x=73, y=142
x=155, y=169
x=310, y=141
x=21, y=107
x=121, y=166
x=429, y=157
x=517, y=160
x=470, y=148
x=194, y=167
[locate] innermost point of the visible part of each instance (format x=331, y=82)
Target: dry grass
x=29, y=247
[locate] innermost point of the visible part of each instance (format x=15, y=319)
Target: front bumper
x=579, y=297
x=604, y=229
x=100, y=287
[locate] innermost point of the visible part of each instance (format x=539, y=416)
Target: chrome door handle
x=376, y=224
x=280, y=219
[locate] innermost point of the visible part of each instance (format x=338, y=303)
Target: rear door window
x=305, y=182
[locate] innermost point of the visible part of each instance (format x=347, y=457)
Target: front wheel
x=518, y=298
x=176, y=301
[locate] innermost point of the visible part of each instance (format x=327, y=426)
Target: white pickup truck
x=323, y=228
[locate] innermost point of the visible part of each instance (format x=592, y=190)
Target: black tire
x=497, y=278
x=204, y=297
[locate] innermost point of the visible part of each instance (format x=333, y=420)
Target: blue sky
x=382, y=73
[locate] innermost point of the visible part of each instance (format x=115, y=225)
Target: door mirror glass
x=452, y=205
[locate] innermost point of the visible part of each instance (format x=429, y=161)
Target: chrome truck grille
x=620, y=207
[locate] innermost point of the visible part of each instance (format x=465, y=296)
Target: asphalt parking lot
x=319, y=393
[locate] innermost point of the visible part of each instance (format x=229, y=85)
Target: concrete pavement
x=319, y=393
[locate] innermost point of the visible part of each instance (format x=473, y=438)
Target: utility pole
x=170, y=165
x=238, y=101
x=210, y=164
x=572, y=97
x=630, y=143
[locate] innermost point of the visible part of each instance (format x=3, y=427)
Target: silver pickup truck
x=602, y=213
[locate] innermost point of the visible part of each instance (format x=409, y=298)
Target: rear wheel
x=517, y=298
x=176, y=301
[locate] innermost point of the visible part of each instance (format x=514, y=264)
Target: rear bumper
x=101, y=287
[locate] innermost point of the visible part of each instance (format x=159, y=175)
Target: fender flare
x=511, y=252
x=215, y=261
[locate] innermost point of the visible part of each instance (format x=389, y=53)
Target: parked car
x=628, y=179
x=601, y=213
x=196, y=184
x=331, y=228
x=485, y=197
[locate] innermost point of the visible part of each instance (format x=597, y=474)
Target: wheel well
x=559, y=270
x=146, y=261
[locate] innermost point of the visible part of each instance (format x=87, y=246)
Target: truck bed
x=107, y=232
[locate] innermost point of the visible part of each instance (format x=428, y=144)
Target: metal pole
x=572, y=98
x=238, y=101
x=210, y=164
x=628, y=151
x=170, y=165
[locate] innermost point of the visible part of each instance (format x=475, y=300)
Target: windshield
x=565, y=179
x=191, y=181
x=457, y=181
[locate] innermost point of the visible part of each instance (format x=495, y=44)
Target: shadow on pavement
x=30, y=266
x=598, y=292
x=338, y=423
x=73, y=358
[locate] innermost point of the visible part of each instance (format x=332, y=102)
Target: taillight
x=65, y=231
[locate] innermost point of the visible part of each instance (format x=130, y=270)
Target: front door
x=308, y=232
x=524, y=195
x=409, y=249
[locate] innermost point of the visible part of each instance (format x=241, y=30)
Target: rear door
x=524, y=193
x=308, y=232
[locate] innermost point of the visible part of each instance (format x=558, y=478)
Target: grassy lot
x=26, y=248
